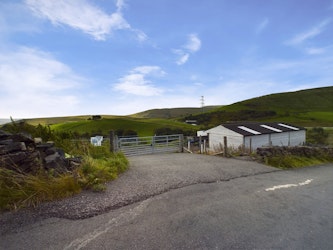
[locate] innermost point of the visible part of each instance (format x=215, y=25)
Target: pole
x=225, y=146
x=112, y=141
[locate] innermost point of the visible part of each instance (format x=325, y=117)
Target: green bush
x=317, y=136
x=97, y=170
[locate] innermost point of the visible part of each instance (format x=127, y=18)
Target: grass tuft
x=98, y=166
x=19, y=190
x=293, y=161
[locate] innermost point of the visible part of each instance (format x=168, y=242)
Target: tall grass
x=19, y=190
x=294, y=161
x=98, y=166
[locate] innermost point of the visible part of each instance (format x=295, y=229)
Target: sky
x=119, y=57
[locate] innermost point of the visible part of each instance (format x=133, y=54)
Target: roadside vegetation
x=98, y=166
x=318, y=151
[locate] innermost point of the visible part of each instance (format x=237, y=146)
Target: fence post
x=200, y=144
x=250, y=145
x=113, y=142
x=181, y=143
x=225, y=146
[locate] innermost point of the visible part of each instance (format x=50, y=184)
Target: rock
x=19, y=152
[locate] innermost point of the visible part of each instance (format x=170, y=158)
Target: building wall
x=255, y=141
x=235, y=140
x=297, y=137
x=280, y=139
x=216, y=138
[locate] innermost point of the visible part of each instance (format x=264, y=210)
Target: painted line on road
x=289, y=185
x=121, y=219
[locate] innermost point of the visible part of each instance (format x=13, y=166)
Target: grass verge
x=19, y=190
x=294, y=161
x=98, y=166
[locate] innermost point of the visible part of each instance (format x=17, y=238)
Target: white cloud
x=183, y=57
x=192, y=45
x=145, y=70
x=315, y=51
x=83, y=16
x=32, y=83
x=137, y=83
x=311, y=33
x=262, y=26
x=120, y=4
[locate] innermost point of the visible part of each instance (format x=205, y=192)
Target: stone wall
x=303, y=151
x=21, y=153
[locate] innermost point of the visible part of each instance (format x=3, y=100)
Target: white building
x=253, y=135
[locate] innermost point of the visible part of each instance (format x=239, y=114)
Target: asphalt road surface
x=256, y=209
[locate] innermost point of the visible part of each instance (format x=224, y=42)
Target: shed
x=252, y=135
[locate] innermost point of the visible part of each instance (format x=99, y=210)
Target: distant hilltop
x=3, y=121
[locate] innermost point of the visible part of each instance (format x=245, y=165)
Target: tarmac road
x=217, y=204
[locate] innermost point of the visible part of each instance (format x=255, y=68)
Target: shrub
x=317, y=136
x=96, y=172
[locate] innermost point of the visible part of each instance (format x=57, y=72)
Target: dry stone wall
x=21, y=153
x=303, y=151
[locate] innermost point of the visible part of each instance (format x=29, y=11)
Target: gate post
x=113, y=142
x=181, y=143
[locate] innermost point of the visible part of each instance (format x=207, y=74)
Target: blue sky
x=119, y=57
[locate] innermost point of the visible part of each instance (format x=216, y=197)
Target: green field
x=143, y=127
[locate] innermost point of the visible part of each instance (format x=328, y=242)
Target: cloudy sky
x=73, y=57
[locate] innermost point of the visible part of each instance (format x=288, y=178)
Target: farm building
x=255, y=134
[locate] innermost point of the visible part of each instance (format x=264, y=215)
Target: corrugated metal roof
x=256, y=128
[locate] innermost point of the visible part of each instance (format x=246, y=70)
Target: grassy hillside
x=143, y=127
x=172, y=113
x=311, y=107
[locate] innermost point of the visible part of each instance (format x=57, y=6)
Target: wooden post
x=113, y=146
x=181, y=146
x=225, y=146
x=200, y=144
x=250, y=145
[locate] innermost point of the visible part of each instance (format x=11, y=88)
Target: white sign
x=96, y=140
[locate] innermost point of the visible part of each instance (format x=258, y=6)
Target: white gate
x=150, y=145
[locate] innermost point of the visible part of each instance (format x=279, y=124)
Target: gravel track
x=148, y=175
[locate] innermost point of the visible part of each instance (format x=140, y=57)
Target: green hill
x=172, y=113
x=311, y=107
x=142, y=126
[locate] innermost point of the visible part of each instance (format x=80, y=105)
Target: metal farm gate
x=149, y=145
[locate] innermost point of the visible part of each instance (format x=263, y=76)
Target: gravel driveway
x=148, y=175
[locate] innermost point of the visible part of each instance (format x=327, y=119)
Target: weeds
x=293, y=161
x=98, y=166
x=97, y=171
x=19, y=190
